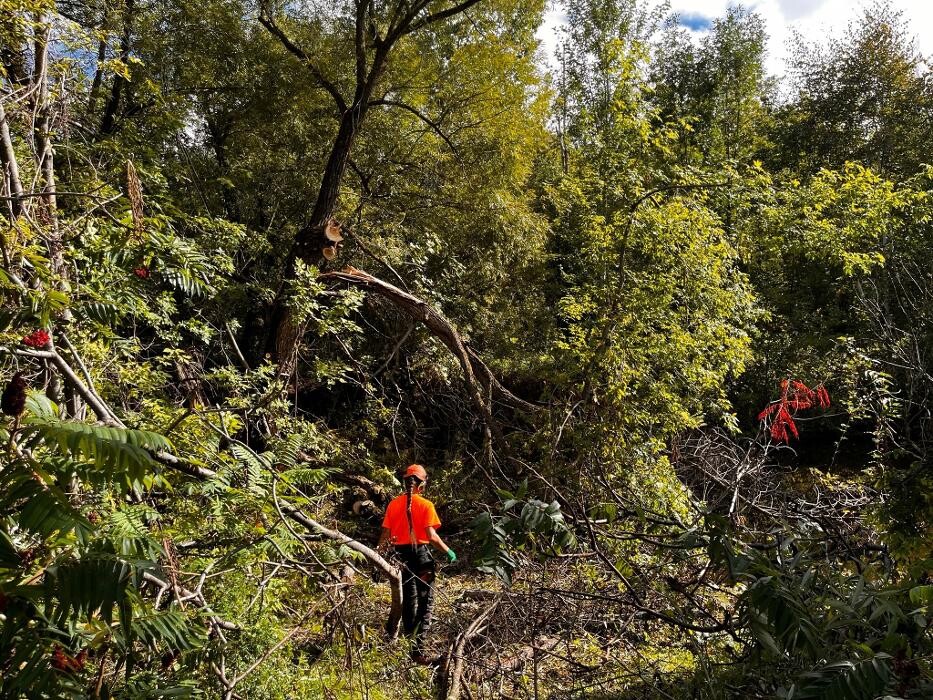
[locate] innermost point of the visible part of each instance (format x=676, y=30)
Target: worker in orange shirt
x=410, y=525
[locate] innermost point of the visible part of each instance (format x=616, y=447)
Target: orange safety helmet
x=417, y=471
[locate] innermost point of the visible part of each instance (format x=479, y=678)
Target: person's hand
x=451, y=556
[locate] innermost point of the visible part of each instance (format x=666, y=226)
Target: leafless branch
x=442, y=15
x=270, y=24
x=435, y=127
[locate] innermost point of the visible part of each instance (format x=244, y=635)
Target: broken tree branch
x=106, y=415
x=371, y=555
x=212, y=620
x=452, y=676
x=420, y=310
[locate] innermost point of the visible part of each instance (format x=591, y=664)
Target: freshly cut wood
x=329, y=252
x=332, y=231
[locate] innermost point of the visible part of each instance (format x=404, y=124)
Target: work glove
x=451, y=556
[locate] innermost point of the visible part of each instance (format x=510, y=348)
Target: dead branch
x=373, y=557
x=213, y=621
x=106, y=415
x=10, y=165
x=452, y=673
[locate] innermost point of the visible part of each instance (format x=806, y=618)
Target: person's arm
x=435, y=539
x=438, y=543
x=385, y=539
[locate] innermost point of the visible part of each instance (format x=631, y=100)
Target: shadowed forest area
x=658, y=324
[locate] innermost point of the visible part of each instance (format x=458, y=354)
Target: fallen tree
x=482, y=384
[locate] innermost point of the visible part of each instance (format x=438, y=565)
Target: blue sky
x=696, y=21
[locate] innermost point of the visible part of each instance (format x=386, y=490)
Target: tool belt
x=417, y=558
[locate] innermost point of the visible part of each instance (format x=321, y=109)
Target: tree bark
x=452, y=671
x=45, y=152
x=219, y=130
x=10, y=166
x=108, y=123
x=98, y=77
x=310, y=240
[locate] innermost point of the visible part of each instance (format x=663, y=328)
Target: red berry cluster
x=37, y=339
x=795, y=396
x=64, y=662
x=141, y=272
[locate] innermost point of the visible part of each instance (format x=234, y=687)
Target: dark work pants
x=418, y=569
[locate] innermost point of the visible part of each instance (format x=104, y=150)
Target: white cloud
x=812, y=20
x=795, y=9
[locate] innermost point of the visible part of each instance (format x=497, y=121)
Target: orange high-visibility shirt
x=423, y=516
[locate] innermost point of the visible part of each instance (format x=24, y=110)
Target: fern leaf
x=111, y=452
x=169, y=627
x=39, y=509
x=257, y=467
x=307, y=475
x=93, y=584
x=846, y=680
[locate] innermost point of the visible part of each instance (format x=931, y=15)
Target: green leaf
x=846, y=680
x=921, y=595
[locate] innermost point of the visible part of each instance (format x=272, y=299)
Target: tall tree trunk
x=310, y=240
x=98, y=77
x=10, y=166
x=45, y=153
x=406, y=17
x=108, y=122
x=219, y=130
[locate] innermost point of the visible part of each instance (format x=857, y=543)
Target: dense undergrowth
x=662, y=339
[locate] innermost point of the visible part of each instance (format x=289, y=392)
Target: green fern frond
x=101, y=312
x=287, y=452
x=257, y=467
x=846, y=680
x=95, y=584
x=127, y=533
x=40, y=509
x=146, y=688
x=100, y=452
x=30, y=654
x=169, y=627
x=184, y=281
x=778, y=619
x=307, y=476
